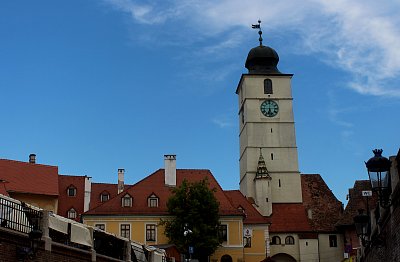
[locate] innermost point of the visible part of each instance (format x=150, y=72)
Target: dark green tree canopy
x=195, y=207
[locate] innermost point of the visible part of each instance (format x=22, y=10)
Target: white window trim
x=145, y=232
x=130, y=230
x=105, y=225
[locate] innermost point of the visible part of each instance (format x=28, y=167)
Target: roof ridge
x=27, y=163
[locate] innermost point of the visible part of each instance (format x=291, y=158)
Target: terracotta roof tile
x=252, y=216
x=154, y=184
x=23, y=177
x=65, y=202
x=289, y=218
x=99, y=188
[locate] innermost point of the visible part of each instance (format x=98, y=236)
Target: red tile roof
x=252, y=216
x=289, y=218
x=99, y=188
x=23, y=177
x=3, y=189
x=324, y=208
x=154, y=184
x=65, y=202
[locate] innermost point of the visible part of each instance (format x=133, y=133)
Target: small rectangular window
x=247, y=241
x=267, y=86
x=125, y=230
x=333, y=241
x=71, y=191
x=151, y=232
x=223, y=232
x=100, y=226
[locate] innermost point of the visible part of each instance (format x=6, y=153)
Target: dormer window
x=105, y=196
x=152, y=201
x=71, y=213
x=71, y=191
x=126, y=201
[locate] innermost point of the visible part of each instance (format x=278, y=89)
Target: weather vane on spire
x=259, y=31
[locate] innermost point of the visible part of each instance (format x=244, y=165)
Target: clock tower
x=269, y=171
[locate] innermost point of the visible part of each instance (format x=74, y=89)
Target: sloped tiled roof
x=324, y=207
x=98, y=188
x=66, y=202
x=3, y=189
x=289, y=217
x=154, y=184
x=252, y=216
x=356, y=202
x=23, y=177
x=318, y=199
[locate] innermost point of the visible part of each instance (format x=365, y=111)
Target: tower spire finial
x=258, y=26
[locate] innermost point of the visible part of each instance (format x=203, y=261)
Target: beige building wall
x=49, y=203
x=309, y=250
x=330, y=253
x=292, y=250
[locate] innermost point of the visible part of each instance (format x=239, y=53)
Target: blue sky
x=93, y=86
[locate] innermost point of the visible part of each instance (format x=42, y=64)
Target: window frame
x=289, y=240
x=274, y=242
x=125, y=230
x=100, y=226
x=71, y=188
x=124, y=200
x=152, y=201
x=223, y=232
x=72, y=211
x=333, y=241
x=103, y=194
x=151, y=232
x=268, y=86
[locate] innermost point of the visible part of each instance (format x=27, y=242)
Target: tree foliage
x=195, y=205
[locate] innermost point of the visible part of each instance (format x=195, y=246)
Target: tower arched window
x=267, y=86
x=289, y=240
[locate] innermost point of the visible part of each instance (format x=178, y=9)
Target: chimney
x=32, y=158
x=170, y=170
x=121, y=172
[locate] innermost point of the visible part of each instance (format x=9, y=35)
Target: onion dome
x=262, y=60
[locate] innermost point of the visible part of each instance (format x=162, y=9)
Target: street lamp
x=379, y=175
x=362, y=223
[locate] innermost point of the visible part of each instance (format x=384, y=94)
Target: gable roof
x=324, y=207
x=289, y=217
x=356, y=202
x=98, y=188
x=154, y=183
x=251, y=215
x=23, y=177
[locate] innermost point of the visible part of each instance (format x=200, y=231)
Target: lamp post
x=379, y=174
x=362, y=223
x=186, y=233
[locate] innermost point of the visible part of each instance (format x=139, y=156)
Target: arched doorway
x=226, y=258
x=282, y=257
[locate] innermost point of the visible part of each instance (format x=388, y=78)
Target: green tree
x=194, y=207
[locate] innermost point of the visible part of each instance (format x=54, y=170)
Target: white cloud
x=222, y=121
x=361, y=37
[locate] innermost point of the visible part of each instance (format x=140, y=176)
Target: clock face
x=269, y=108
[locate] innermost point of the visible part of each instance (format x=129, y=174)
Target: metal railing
x=18, y=216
